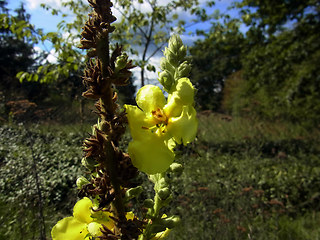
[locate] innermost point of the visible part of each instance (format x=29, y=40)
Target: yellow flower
x=84, y=224
x=156, y=125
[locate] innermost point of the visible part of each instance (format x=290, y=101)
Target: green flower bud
x=81, y=181
x=170, y=222
x=133, y=192
x=182, y=53
x=171, y=57
x=175, y=43
x=89, y=163
x=165, y=65
x=121, y=62
x=164, y=193
x=162, y=183
x=184, y=70
x=148, y=203
x=176, y=168
x=166, y=79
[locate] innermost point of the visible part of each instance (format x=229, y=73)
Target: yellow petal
x=150, y=98
x=173, y=108
x=183, y=94
x=184, y=128
x=151, y=155
x=94, y=229
x=103, y=218
x=82, y=210
x=185, y=91
x=69, y=228
x=171, y=144
x=138, y=121
x=130, y=216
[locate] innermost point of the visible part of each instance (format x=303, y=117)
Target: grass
x=249, y=180
x=243, y=179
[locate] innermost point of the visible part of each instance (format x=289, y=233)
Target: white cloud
x=53, y=56
x=33, y=4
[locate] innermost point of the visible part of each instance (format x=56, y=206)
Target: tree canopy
x=263, y=62
x=271, y=69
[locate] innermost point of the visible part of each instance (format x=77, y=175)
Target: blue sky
x=39, y=17
x=43, y=19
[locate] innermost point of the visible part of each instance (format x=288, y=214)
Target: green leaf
x=175, y=16
x=151, y=68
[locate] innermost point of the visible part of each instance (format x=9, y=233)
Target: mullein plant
x=157, y=125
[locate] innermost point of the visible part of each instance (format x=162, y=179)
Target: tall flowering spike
x=158, y=124
x=174, y=64
x=111, y=169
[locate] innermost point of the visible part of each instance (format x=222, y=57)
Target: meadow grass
x=249, y=180
x=242, y=179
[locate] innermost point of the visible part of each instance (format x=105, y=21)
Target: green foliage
x=271, y=16
x=262, y=185
x=69, y=62
x=241, y=177
x=282, y=76
x=215, y=58
x=54, y=159
x=151, y=29
x=16, y=47
x=271, y=72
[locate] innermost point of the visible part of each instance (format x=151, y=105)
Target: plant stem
x=117, y=204
x=108, y=108
x=42, y=225
x=156, y=207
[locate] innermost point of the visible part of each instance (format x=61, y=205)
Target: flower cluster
x=157, y=124
x=85, y=222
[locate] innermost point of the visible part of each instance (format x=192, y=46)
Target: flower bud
x=133, y=192
x=171, y=57
x=148, y=203
x=121, y=62
x=184, y=70
x=94, y=229
x=162, y=183
x=165, y=65
x=170, y=222
x=182, y=53
x=164, y=193
x=175, y=43
x=81, y=181
x=166, y=79
x=176, y=168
